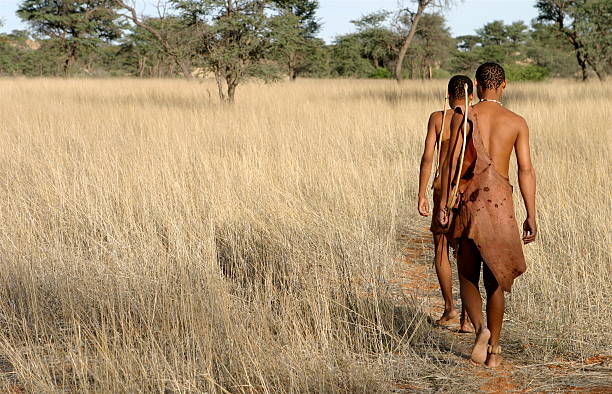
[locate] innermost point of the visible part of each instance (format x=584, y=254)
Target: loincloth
x=485, y=213
x=486, y=216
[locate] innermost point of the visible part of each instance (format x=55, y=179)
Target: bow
x=439, y=140
x=455, y=190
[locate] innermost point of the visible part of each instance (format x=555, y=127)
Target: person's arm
x=426, y=164
x=449, y=164
x=527, y=182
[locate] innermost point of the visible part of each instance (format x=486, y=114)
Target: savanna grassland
x=154, y=240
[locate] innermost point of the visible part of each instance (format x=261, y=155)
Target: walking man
x=483, y=226
x=438, y=134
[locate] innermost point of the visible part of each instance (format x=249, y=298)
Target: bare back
x=447, y=122
x=435, y=134
x=499, y=128
x=445, y=137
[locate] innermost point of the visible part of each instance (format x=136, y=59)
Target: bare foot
x=493, y=360
x=447, y=317
x=466, y=326
x=479, y=351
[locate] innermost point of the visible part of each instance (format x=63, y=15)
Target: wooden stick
x=439, y=139
x=465, y=122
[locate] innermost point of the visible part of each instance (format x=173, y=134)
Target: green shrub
x=381, y=73
x=525, y=72
x=439, y=73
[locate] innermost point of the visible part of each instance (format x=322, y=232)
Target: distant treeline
x=231, y=40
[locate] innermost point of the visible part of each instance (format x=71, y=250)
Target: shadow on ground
x=444, y=353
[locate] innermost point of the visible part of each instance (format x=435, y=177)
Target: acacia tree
x=433, y=46
x=290, y=45
x=295, y=27
x=234, y=37
x=347, y=58
x=549, y=50
x=76, y=24
x=502, y=43
x=151, y=56
x=407, y=22
x=370, y=51
x=173, y=36
x=582, y=23
x=593, y=22
x=379, y=44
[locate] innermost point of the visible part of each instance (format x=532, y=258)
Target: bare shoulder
x=435, y=121
x=436, y=117
x=457, y=115
x=515, y=119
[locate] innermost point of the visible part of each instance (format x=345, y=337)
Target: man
x=483, y=227
x=438, y=136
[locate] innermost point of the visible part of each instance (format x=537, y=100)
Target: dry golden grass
x=154, y=240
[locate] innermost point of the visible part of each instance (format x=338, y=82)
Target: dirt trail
x=517, y=374
x=419, y=280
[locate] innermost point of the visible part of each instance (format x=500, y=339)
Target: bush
x=381, y=73
x=525, y=72
x=439, y=73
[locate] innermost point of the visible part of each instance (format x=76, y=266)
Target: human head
x=490, y=77
x=456, y=90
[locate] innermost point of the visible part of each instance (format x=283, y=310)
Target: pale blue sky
x=463, y=18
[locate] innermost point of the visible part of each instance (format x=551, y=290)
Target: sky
x=463, y=18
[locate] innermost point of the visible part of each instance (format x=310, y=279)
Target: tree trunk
x=232, y=84
x=414, y=69
x=292, y=70
x=292, y=65
x=573, y=39
x=583, y=65
x=408, y=40
x=580, y=58
x=600, y=75
x=186, y=69
x=158, y=69
x=158, y=36
x=66, y=66
x=71, y=59
x=231, y=92
x=220, y=87
x=141, y=66
x=292, y=74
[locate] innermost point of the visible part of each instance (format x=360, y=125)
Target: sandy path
x=449, y=350
x=419, y=280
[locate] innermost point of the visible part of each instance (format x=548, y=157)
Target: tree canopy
x=77, y=25
x=233, y=40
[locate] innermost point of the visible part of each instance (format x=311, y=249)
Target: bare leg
x=468, y=262
x=443, y=270
x=465, y=322
x=495, y=313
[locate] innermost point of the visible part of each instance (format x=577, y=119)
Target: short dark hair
x=490, y=75
x=455, y=86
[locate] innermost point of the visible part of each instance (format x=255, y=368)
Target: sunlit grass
x=152, y=239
